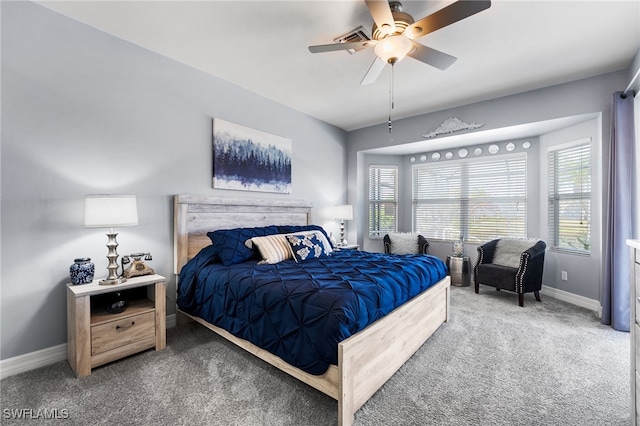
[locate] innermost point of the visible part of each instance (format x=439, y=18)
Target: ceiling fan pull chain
x=393, y=88
x=391, y=100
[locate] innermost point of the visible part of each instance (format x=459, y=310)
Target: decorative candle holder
x=458, y=248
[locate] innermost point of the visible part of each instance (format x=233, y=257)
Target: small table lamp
x=110, y=211
x=343, y=212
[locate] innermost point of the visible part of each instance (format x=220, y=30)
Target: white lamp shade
x=110, y=211
x=393, y=48
x=343, y=212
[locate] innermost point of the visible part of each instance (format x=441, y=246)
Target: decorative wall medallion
x=451, y=125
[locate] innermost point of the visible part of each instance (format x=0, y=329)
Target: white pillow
x=404, y=243
x=508, y=251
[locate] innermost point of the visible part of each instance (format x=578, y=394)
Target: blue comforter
x=301, y=311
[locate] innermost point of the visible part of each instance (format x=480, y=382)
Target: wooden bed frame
x=367, y=359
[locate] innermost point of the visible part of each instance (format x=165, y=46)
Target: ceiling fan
x=395, y=33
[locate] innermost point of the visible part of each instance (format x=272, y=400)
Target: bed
x=366, y=359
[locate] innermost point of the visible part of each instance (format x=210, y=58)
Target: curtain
x=620, y=215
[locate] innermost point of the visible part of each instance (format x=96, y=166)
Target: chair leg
x=521, y=299
x=477, y=287
x=537, y=294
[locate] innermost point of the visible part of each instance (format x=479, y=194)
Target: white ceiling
x=514, y=46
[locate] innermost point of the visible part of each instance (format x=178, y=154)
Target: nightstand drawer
x=121, y=332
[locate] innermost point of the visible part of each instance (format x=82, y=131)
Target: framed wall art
x=246, y=159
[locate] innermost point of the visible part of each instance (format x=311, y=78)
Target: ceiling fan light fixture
x=393, y=48
x=387, y=29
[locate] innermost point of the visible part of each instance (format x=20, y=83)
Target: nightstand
x=348, y=247
x=96, y=337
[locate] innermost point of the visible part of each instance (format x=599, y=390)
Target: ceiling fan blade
x=381, y=13
x=430, y=56
x=374, y=71
x=341, y=46
x=446, y=16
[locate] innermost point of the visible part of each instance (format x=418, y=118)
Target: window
x=383, y=200
x=471, y=200
x=570, y=198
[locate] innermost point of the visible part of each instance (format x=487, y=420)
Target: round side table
x=459, y=270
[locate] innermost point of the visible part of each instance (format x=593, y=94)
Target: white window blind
x=383, y=200
x=471, y=200
x=570, y=199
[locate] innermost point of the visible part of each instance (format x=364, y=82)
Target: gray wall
x=366, y=243
x=84, y=112
x=583, y=272
x=584, y=97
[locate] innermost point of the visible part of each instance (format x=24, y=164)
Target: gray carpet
x=494, y=363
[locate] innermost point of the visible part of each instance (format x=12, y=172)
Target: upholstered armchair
x=509, y=264
x=405, y=243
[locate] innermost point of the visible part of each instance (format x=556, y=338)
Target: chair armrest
x=486, y=251
x=537, y=250
x=533, y=256
x=529, y=272
x=423, y=245
x=485, y=255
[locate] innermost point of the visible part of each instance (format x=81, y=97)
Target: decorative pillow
x=326, y=245
x=404, y=243
x=321, y=236
x=296, y=229
x=307, y=246
x=229, y=243
x=508, y=251
x=273, y=248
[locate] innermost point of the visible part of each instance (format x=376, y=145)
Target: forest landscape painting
x=250, y=160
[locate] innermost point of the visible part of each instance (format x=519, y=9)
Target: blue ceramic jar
x=82, y=271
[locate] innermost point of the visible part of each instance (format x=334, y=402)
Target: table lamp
x=110, y=211
x=343, y=212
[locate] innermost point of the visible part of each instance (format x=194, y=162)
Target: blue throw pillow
x=229, y=243
x=306, y=246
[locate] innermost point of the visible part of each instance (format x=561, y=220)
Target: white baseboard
x=171, y=321
x=43, y=357
x=31, y=361
x=574, y=299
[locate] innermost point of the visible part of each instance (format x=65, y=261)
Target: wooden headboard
x=195, y=215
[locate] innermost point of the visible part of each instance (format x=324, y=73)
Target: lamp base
x=108, y=281
x=343, y=242
x=112, y=277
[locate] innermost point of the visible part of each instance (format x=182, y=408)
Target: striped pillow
x=272, y=248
